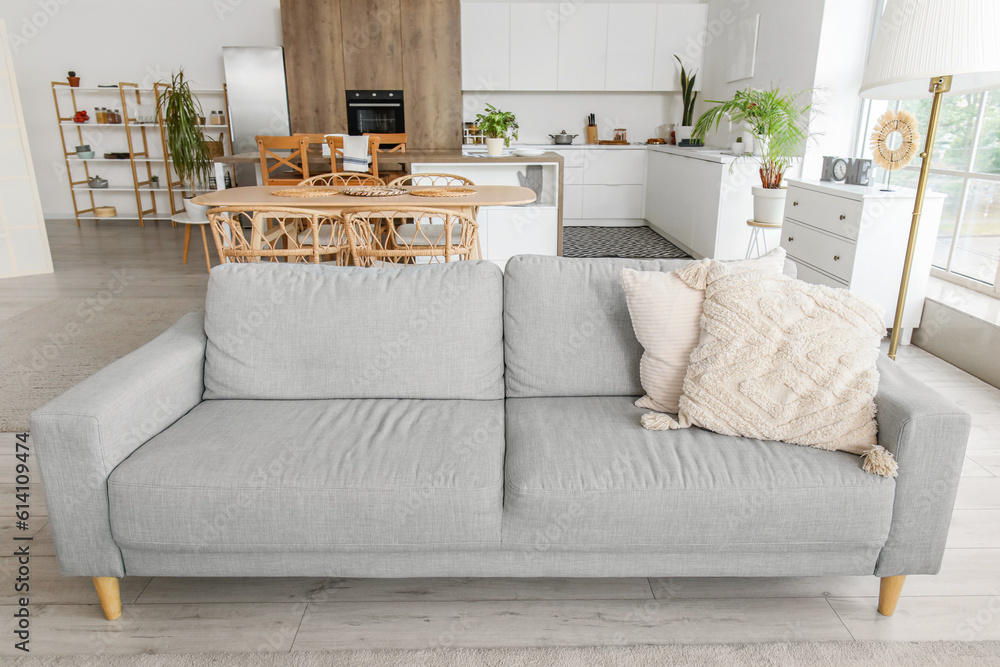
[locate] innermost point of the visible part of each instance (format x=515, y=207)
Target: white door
x=485, y=46
x=680, y=29
x=534, y=46
x=631, y=43
x=583, y=46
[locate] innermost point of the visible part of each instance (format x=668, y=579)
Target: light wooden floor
x=206, y=615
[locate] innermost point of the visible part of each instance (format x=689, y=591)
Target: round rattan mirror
x=895, y=140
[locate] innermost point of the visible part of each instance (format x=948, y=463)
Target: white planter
x=494, y=146
x=769, y=205
x=738, y=147
x=682, y=132
x=197, y=211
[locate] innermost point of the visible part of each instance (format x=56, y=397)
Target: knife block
x=591, y=134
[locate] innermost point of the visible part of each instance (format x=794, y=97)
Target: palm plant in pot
x=192, y=161
x=498, y=126
x=776, y=121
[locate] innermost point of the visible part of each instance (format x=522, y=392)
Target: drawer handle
x=795, y=203
x=836, y=258
x=843, y=217
x=791, y=238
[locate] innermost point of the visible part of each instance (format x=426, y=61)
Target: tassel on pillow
x=879, y=461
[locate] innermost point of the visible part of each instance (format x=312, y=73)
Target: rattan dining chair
x=428, y=235
x=279, y=169
x=343, y=178
x=431, y=180
x=292, y=234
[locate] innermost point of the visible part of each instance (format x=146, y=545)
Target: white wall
x=540, y=114
x=107, y=41
x=24, y=246
x=802, y=45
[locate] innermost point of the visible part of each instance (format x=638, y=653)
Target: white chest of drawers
x=855, y=237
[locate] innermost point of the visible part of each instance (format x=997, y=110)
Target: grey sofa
x=454, y=421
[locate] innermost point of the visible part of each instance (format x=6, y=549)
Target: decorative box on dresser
x=855, y=237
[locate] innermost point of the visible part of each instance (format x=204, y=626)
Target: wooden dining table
x=334, y=204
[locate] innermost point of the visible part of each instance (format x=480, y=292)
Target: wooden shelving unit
x=144, y=164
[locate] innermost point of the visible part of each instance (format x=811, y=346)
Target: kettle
x=563, y=138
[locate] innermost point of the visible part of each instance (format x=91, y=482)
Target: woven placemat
x=372, y=191
x=443, y=192
x=308, y=191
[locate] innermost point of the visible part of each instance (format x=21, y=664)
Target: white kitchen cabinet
x=612, y=202
x=572, y=201
x=631, y=46
x=613, y=166
x=855, y=237
x=534, y=46
x=520, y=230
x=680, y=29
x=486, y=40
x=583, y=47
x=696, y=201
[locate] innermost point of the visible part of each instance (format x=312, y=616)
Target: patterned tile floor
x=634, y=242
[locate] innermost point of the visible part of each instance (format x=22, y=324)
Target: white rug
x=56, y=345
x=862, y=654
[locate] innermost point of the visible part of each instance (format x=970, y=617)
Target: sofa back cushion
x=288, y=331
x=567, y=331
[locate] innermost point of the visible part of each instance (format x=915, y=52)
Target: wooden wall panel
x=337, y=45
x=373, y=57
x=432, y=73
x=314, y=65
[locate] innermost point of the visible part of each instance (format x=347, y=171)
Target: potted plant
x=688, y=97
x=74, y=80
x=191, y=159
x=498, y=127
x=775, y=121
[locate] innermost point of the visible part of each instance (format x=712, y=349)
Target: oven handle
x=374, y=104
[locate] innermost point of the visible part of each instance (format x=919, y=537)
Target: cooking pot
x=563, y=138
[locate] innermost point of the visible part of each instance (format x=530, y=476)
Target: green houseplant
x=498, y=126
x=688, y=97
x=181, y=114
x=776, y=121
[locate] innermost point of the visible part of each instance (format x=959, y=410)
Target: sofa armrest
x=84, y=433
x=927, y=434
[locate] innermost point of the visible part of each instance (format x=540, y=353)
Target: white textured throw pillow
x=780, y=359
x=666, y=318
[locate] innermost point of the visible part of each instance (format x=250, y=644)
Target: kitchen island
x=504, y=231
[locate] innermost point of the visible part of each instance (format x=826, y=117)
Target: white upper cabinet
x=583, y=46
x=580, y=46
x=680, y=29
x=534, y=45
x=486, y=41
x=631, y=44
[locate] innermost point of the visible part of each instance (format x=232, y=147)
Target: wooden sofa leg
x=109, y=595
x=888, y=594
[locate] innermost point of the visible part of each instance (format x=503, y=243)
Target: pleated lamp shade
x=921, y=39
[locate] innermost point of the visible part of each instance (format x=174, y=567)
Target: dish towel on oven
x=355, y=153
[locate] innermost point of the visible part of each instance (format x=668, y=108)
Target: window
x=966, y=167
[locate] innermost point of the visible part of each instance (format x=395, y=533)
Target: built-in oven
x=375, y=112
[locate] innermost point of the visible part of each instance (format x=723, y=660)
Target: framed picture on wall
x=743, y=48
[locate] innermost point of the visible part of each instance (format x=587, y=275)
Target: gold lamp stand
x=939, y=86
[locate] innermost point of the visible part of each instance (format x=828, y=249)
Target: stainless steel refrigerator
x=258, y=98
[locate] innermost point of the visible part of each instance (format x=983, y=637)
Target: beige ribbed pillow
x=666, y=318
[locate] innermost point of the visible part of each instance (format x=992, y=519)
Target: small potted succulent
x=498, y=127
x=74, y=80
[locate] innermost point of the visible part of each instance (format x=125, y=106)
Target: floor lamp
x=953, y=44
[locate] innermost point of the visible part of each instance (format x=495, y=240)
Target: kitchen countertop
x=441, y=156
x=716, y=155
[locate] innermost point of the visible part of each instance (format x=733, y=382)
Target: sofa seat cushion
x=582, y=474
x=241, y=476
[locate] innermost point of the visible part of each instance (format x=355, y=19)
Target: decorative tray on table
x=372, y=191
